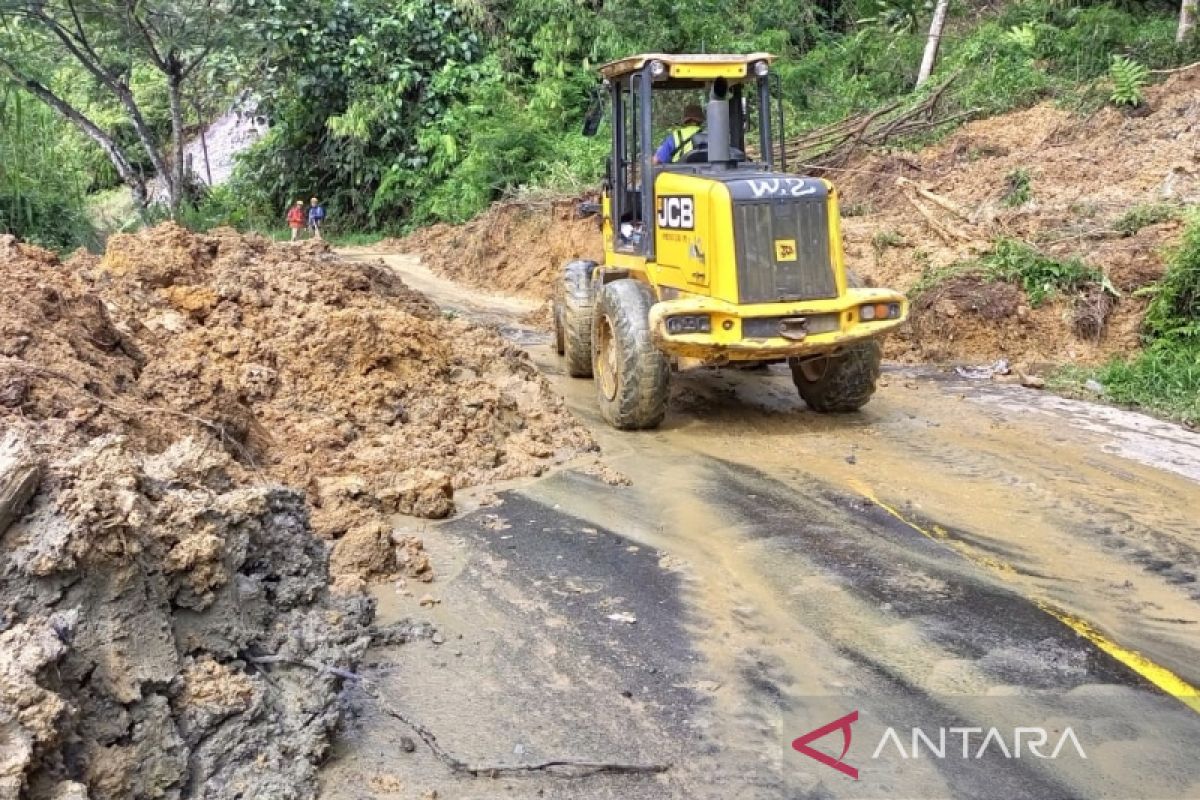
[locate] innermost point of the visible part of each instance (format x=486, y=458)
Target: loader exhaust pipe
x=718, y=123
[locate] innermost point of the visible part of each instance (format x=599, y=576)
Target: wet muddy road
x=957, y=556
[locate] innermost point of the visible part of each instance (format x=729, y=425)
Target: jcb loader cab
x=712, y=256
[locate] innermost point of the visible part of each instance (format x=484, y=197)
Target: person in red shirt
x=295, y=218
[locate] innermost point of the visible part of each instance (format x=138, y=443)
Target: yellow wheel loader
x=712, y=257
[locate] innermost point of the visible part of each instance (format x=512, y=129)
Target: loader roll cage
x=630, y=85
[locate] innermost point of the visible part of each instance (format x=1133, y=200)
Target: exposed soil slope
x=1084, y=174
x=515, y=248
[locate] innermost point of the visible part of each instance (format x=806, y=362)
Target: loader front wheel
x=573, y=318
x=841, y=383
x=632, y=375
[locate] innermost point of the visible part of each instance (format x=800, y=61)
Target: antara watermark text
x=943, y=743
x=1025, y=742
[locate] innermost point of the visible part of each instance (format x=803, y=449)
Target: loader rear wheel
x=632, y=375
x=842, y=383
x=573, y=313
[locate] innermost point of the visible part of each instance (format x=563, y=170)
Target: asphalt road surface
x=958, y=572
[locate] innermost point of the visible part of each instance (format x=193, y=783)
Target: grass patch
x=1164, y=378
x=356, y=239
x=1144, y=215
x=1018, y=193
x=1039, y=275
x=883, y=240
x=933, y=277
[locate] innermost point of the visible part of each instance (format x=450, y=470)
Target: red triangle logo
x=843, y=724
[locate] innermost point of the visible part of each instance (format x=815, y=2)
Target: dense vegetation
x=413, y=112
x=404, y=112
x=41, y=192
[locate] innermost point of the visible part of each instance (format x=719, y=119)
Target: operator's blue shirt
x=666, y=149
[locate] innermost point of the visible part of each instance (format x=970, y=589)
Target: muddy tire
x=842, y=383
x=632, y=375
x=573, y=312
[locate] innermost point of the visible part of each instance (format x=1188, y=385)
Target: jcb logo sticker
x=677, y=212
x=785, y=249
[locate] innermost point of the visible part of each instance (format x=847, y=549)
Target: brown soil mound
x=515, y=248
x=323, y=374
x=155, y=579
x=1084, y=174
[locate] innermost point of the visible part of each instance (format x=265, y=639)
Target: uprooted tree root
x=1090, y=313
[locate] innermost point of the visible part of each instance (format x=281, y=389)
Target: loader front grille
x=783, y=250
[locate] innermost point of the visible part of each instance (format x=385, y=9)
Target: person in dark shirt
x=316, y=215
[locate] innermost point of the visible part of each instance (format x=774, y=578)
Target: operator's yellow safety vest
x=683, y=140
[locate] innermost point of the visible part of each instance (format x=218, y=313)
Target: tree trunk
x=175, y=186
x=131, y=177
x=202, y=119
x=91, y=62
x=935, y=39
x=1187, y=20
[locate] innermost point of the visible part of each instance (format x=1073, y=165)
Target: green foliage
x=899, y=16
x=1165, y=378
x=1129, y=78
x=933, y=277
x=1144, y=215
x=1018, y=182
x=1039, y=275
x=1174, y=311
x=41, y=177
x=401, y=112
x=883, y=240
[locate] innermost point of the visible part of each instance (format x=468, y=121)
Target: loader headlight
x=689, y=323
x=761, y=68
x=879, y=311
x=657, y=68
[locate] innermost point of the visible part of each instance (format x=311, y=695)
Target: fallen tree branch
x=945, y=203
x=832, y=145
x=1184, y=68
x=947, y=235
x=580, y=767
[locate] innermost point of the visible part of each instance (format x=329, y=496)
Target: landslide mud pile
x=1070, y=185
x=138, y=591
x=515, y=248
x=324, y=375
x=197, y=431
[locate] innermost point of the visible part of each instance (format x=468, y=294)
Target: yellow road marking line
x=1159, y=676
